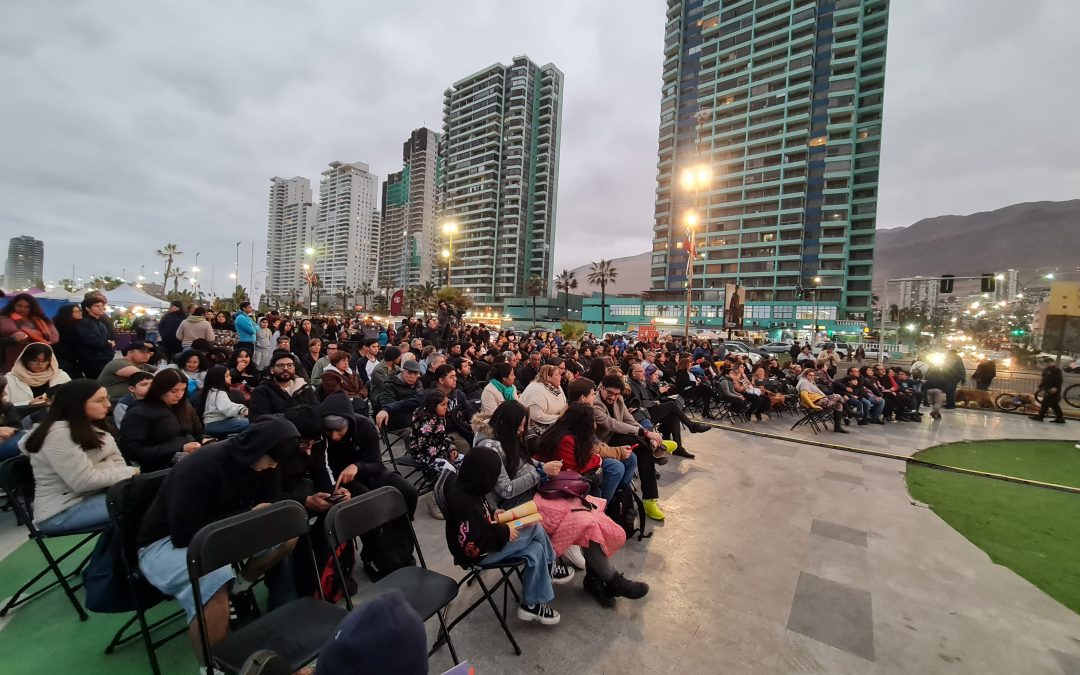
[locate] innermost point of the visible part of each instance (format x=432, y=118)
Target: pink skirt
x=566, y=527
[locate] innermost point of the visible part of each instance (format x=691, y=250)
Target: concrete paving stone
x=845, y=477
x=824, y=528
x=846, y=457
x=788, y=450
x=1070, y=663
x=839, y=561
x=836, y=614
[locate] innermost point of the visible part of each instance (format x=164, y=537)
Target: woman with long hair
x=586, y=537
x=163, y=427
x=224, y=330
x=34, y=374
x=245, y=373
x=74, y=459
x=301, y=338
x=572, y=439
x=597, y=368
x=221, y=416
x=22, y=322
x=67, y=348
x=688, y=386
x=544, y=398
x=499, y=388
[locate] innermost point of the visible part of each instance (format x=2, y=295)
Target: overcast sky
x=126, y=125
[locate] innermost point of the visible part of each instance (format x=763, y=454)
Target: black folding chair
x=428, y=592
x=296, y=630
x=266, y=662
x=415, y=471
x=506, y=568
x=17, y=480
x=128, y=500
x=813, y=419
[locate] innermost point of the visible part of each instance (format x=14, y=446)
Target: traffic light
x=1019, y=332
x=987, y=283
x=946, y=283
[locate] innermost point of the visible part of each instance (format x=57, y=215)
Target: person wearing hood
x=194, y=327
x=282, y=390
x=222, y=479
x=34, y=374
x=474, y=536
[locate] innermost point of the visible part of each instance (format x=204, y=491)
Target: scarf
x=35, y=379
x=555, y=391
x=36, y=329
x=507, y=391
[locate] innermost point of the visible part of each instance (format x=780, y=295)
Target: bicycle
x=1070, y=395
x=1010, y=402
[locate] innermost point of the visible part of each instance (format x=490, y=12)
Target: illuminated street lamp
x=449, y=229
x=693, y=178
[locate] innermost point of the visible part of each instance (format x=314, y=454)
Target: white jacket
x=65, y=474
x=491, y=397
x=544, y=406
x=220, y=407
x=19, y=392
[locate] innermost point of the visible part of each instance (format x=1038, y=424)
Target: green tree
x=169, y=252
x=365, y=291
x=601, y=274
x=452, y=295
x=425, y=296
x=105, y=283
x=381, y=304
x=565, y=281
x=185, y=296
x=177, y=274
x=346, y=293
x=68, y=285
x=573, y=330
x=534, y=286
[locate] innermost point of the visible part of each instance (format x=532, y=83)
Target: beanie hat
x=391, y=354
x=382, y=636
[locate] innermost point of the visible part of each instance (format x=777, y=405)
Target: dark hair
x=215, y=381
x=864, y=371
x=35, y=308
x=596, y=370
x=613, y=381
x=164, y=380
x=576, y=421
x=505, y=422
x=198, y=311
x=69, y=405
x=251, y=360
x=34, y=350
x=430, y=399
x=683, y=364
x=185, y=356
x=138, y=376
x=578, y=388
x=339, y=356
x=500, y=371
x=443, y=370
x=63, y=318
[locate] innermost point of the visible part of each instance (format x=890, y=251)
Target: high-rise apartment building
x=346, y=248
x=781, y=103
x=290, y=229
x=501, y=129
x=917, y=293
x=25, y=262
x=408, y=251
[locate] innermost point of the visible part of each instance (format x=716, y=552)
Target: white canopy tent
x=126, y=295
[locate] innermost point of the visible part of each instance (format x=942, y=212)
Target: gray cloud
x=126, y=125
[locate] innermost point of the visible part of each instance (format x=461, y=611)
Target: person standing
x=67, y=349
x=955, y=374
x=23, y=322
x=1051, y=382
x=263, y=345
x=167, y=328
x=96, y=347
x=246, y=328
x=984, y=374
x=195, y=327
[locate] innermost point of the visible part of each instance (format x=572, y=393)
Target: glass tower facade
x=780, y=102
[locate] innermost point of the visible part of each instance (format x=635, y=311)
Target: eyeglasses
x=285, y=366
x=613, y=392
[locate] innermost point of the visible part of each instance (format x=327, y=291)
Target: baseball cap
x=140, y=345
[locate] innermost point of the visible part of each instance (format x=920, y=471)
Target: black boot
x=620, y=586
x=683, y=452
x=597, y=589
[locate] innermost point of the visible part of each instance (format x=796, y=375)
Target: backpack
x=330, y=586
x=386, y=548
x=625, y=508
x=106, y=589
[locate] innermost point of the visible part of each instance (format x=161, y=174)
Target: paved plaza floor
x=785, y=558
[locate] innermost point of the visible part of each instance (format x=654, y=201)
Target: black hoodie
x=217, y=481
x=470, y=534
x=360, y=446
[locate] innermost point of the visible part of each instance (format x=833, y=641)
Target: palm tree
x=365, y=291
x=566, y=282
x=345, y=294
x=534, y=286
x=169, y=252
x=387, y=284
x=425, y=294
x=601, y=274
x=177, y=274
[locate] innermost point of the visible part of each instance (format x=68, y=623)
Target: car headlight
x=936, y=359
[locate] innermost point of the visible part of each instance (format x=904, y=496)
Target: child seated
x=138, y=385
x=474, y=537
x=430, y=444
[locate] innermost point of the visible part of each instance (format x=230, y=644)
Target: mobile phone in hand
x=335, y=498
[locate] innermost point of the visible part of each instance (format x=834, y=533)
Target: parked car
x=776, y=347
x=841, y=350
x=740, y=348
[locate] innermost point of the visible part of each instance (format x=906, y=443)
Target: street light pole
x=449, y=229
x=814, y=290
x=694, y=178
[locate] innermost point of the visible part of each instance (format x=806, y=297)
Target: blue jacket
x=245, y=327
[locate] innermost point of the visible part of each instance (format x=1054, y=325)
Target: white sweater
x=220, y=407
x=19, y=392
x=64, y=473
x=544, y=406
x=491, y=397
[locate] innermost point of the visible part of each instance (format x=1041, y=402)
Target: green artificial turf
x=1032, y=531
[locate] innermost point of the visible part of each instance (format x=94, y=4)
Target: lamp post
x=449, y=229
x=694, y=179
x=814, y=290
x=310, y=273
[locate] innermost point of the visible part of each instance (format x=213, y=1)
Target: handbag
x=567, y=485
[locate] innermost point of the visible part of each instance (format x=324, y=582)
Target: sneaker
x=542, y=613
x=621, y=587
x=863, y=423
x=841, y=430
x=561, y=574
x=652, y=509
x=598, y=590
x=683, y=452
x=575, y=557
x=660, y=461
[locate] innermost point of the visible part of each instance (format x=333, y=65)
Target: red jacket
x=565, y=452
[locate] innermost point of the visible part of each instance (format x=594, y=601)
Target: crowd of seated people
x=244, y=411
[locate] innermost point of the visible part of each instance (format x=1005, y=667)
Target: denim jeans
x=616, y=473
x=226, y=427
x=89, y=514
x=534, y=546
x=10, y=447
x=862, y=405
